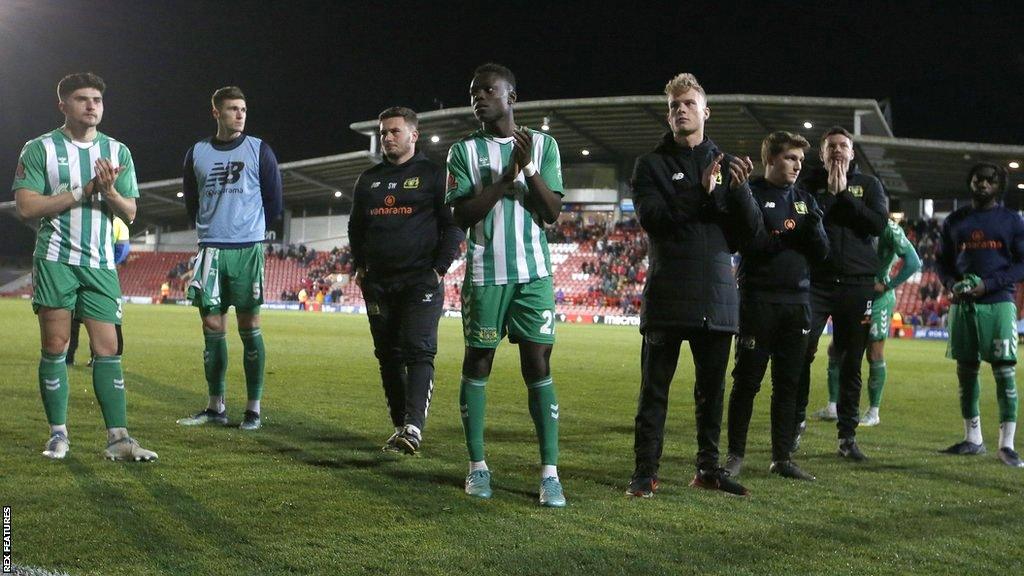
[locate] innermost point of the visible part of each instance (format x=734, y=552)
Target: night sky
x=309, y=69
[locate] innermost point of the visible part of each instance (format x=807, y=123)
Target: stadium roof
x=617, y=129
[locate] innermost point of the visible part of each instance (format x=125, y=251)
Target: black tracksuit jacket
x=400, y=226
x=854, y=218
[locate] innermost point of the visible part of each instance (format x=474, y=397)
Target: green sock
x=544, y=410
x=876, y=381
x=254, y=360
x=1006, y=391
x=833, y=380
x=215, y=361
x=472, y=401
x=970, y=390
x=108, y=383
x=53, y=385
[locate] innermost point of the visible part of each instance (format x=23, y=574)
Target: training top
x=52, y=164
x=987, y=243
x=892, y=246
x=232, y=190
x=400, y=225
x=508, y=245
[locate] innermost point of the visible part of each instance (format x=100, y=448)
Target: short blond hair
x=682, y=83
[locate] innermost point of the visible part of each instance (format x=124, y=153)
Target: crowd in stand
x=614, y=277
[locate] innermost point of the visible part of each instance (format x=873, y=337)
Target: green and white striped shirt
x=508, y=246
x=52, y=164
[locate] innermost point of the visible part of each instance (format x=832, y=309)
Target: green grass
x=312, y=494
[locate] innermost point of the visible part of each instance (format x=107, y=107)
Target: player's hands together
x=739, y=171
x=103, y=181
x=837, y=175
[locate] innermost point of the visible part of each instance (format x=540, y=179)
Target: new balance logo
x=678, y=176
x=119, y=383
x=226, y=172
x=53, y=384
x=554, y=411
x=769, y=204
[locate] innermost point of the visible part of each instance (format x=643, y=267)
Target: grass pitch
x=311, y=493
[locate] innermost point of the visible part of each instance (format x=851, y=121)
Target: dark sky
x=951, y=70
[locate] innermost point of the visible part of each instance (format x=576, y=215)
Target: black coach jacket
x=854, y=219
x=690, y=280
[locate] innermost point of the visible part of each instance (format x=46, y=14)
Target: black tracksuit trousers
x=776, y=332
x=849, y=305
x=658, y=358
x=403, y=321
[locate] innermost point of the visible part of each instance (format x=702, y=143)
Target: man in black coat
x=843, y=286
x=695, y=214
x=403, y=240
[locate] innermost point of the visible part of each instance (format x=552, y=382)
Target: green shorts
x=983, y=332
x=881, y=316
x=93, y=293
x=526, y=312
x=225, y=277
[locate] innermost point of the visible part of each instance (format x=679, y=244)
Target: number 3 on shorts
x=548, y=327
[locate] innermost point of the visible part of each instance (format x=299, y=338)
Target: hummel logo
x=51, y=384
x=252, y=355
x=62, y=161
x=464, y=408
x=678, y=176
x=805, y=331
x=119, y=383
x=554, y=411
x=428, y=297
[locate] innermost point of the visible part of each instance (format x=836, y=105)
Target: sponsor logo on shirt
x=857, y=191
x=411, y=183
x=225, y=173
x=979, y=242
x=389, y=208
x=801, y=207
x=789, y=224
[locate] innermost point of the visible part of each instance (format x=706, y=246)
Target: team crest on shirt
x=718, y=178
x=857, y=191
x=801, y=207
x=411, y=183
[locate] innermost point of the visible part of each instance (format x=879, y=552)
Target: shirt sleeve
x=451, y=235
x=189, y=186
x=270, y=184
x=551, y=166
x=911, y=261
x=127, y=184
x=458, y=184
x=31, y=171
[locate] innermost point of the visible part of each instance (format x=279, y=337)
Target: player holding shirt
x=981, y=260
x=893, y=245
x=505, y=184
x=75, y=179
x=232, y=192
